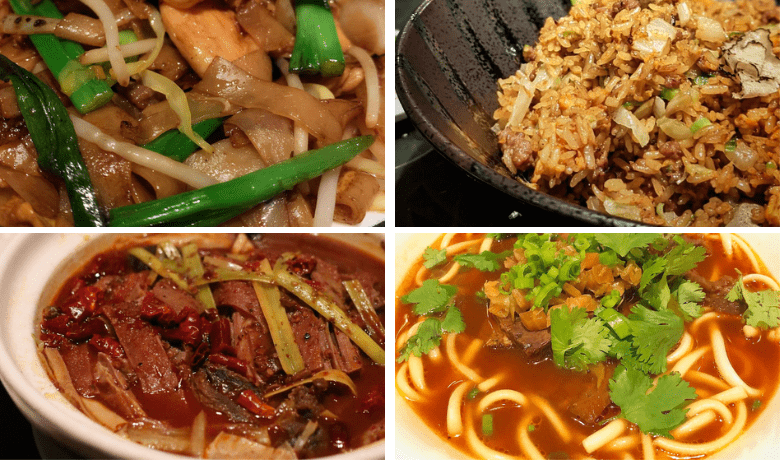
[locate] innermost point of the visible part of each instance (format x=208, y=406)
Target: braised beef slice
x=125, y=288
x=76, y=359
x=327, y=275
x=716, y=292
x=249, y=328
x=311, y=335
x=175, y=297
x=593, y=398
x=348, y=357
x=531, y=342
x=114, y=390
x=144, y=348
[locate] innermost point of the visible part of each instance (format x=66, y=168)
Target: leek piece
x=193, y=268
x=223, y=274
x=329, y=310
x=699, y=124
x=279, y=326
x=333, y=375
x=366, y=310
x=157, y=265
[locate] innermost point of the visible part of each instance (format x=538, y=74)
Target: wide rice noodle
x=225, y=79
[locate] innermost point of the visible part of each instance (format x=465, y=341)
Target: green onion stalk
x=317, y=48
x=217, y=203
x=78, y=82
x=55, y=140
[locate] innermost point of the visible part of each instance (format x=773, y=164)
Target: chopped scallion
x=668, y=94
x=699, y=124
x=487, y=424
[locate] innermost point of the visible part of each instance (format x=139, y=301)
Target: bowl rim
x=52, y=414
x=477, y=169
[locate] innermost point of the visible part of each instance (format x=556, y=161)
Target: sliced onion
x=659, y=107
x=683, y=13
x=742, y=156
x=626, y=211
x=710, y=30
x=662, y=28
x=525, y=95
x=681, y=101
x=625, y=118
x=675, y=129
x=332, y=375
x=698, y=173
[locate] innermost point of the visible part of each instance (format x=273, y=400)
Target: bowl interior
x=450, y=57
x=414, y=437
x=34, y=267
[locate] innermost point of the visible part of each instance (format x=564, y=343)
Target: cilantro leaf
x=578, y=341
x=427, y=337
x=763, y=307
x=623, y=243
x=684, y=256
x=431, y=297
x=654, y=334
x=689, y=296
x=434, y=257
x=453, y=321
x=657, y=412
x=429, y=333
x=486, y=261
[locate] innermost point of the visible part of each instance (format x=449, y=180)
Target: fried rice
x=661, y=111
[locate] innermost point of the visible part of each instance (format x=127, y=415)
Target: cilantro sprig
x=763, y=307
x=656, y=411
x=428, y=335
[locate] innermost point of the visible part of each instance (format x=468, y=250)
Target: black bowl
x=451, y=54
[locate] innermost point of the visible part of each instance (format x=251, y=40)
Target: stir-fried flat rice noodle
x=660, y=111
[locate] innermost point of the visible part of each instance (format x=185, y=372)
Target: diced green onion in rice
x=771, y=165
x=731, y=145
x=699, y=124
x=668, y=94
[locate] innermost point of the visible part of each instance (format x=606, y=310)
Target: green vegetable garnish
x=431, y=297
x=486, y=261
x=731, y=145
x=176, y=145
x=55, y=140
x=656, y=412
x=317, y=49
x=220, y=202
x=78, y=82
x=473, y=393
x=434, y=257
x=487, y=424
x=763, y=307
x=616, y=321
x=578, y=341
x=668, y=94
x=699, y=124
x=429, y=333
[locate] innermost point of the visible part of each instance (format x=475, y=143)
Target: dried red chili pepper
x=249, y=400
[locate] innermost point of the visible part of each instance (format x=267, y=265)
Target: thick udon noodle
x=721, y=394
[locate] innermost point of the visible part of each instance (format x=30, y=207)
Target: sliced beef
x=114, y=390
x=76, y=358
x=533, y=343
x=327, y=275
x=125, y=288
x=311, y=335
x=167, y=291
x=239, y=295
x=251, y=337
x=144, y=348
x=593, y=398
x=348, y=358
x=716, y=292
